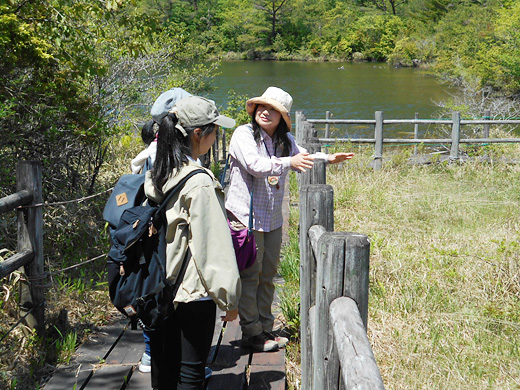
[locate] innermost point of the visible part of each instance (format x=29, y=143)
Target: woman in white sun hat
x=261, y=154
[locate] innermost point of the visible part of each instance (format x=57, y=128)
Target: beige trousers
x=258, y=288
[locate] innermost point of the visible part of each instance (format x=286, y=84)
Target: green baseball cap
x=198, y=111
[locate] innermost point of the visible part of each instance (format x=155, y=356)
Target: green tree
x=76, y=73
x=240, y=27
x=273, y=9
x=464, y=38
x=388, y=5
x=507, y=52
x=334, y=32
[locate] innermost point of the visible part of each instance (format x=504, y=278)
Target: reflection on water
x=347, y=90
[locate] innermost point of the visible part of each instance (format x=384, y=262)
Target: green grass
x=444, y=306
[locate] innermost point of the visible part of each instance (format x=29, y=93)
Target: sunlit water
x=347, y=90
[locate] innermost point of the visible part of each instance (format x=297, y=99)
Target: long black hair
x=281, y=133
x=172, y=149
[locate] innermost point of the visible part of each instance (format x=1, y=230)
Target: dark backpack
x=137, y=263
x=128, y=192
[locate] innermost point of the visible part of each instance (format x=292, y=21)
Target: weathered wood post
x=299, y=118
x=356, y=273
x=487, y=116
x=378, y=148
x=415, y=133
x=30, y=237
x=358, y=365
x=216, y=158
x=224, y=151
x=309, y=140
x=342, y=270
x=327, y=126
x=316, y=208
x=328, y=115
x=455, y=136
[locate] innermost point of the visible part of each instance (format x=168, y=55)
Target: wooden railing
x=334, y=278
x=30, y=241
x=305, y=132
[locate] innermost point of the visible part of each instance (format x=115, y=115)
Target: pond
x=348, y=90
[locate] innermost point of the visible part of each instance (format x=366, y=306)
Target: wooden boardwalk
x=109, y=361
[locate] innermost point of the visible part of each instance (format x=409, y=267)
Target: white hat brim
x=253, y=102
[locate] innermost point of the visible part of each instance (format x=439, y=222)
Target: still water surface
x=347, y=90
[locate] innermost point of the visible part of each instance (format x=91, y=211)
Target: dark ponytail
x=281, y=132
x=173, y=149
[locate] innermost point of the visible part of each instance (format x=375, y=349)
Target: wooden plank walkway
x=109, y=361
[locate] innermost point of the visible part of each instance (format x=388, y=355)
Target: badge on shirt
x=273, y=180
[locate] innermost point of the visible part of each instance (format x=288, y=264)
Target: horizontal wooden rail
x=414, y=121
x=421, y=141
x=306, y=132
x=359, y=368
x=16, y=261
x=10, y=202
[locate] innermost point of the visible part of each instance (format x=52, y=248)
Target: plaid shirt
x=250, y=165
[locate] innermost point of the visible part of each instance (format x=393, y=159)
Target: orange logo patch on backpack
x=121, y=199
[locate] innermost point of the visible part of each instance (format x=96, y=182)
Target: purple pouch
x=245, y=247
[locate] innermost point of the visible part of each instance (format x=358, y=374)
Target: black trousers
x=180, y=349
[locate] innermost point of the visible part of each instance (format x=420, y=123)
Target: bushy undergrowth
x=77, y=297
x=444, y=306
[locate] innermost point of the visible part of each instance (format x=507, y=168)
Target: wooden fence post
x=318, y=173
x=309, y=141
x=299, y=118
x=316, y=208
x=415, y=133
x=327, y=126
x=455, y=136
x=356, y=275
x=487, y=115
x=342, y=270
x=224, y=147
x=30, y=237
x=378, y=149
x=328, y=115
x=329, y=285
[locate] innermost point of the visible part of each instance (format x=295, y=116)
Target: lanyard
x=267, y=150
x=272, y=180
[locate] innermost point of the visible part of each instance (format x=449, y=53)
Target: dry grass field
x=444, y=306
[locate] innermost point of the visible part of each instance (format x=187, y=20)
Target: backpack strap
x=177, y=187
x=178, y=280
x=187, y=256
x=223, y=175
x=147, y=165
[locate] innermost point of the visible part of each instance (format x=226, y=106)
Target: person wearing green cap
x=196, y=221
